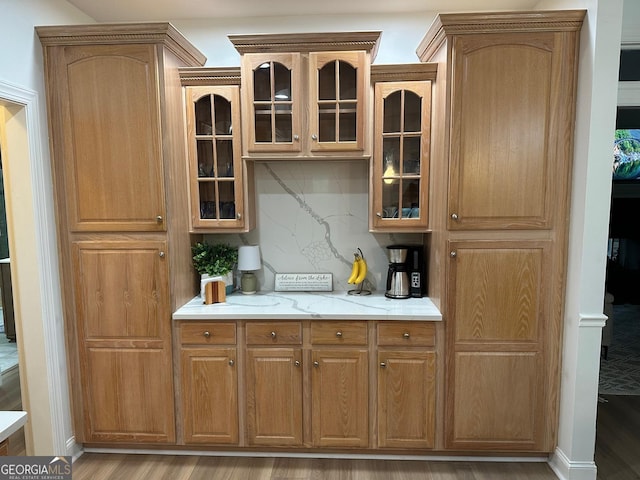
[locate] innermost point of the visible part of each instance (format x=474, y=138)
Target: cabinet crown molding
x=403, y=72
x=123, y=33
x=497, y=22
x=194, y=76
x=307, y=42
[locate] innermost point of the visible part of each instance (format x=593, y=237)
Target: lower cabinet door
x=340, y=400
x=497, y=403
x=406, y=399
x=129, y=395
x=274, y=396
x=209, y=395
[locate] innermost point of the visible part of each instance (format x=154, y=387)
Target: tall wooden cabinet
x=504, y=102
x=116, y=122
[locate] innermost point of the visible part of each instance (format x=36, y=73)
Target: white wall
x=401, y=33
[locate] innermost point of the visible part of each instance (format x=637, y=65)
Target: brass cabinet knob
x=453, y=254
x=338, y=334
x=406, y=335
x=454, y=216
x=161, y=254
x=316, y=364
x=273, y=335
x=206, y=334
x=297, y=363
x=231, y=362
x=383, y=365
x=159, y=219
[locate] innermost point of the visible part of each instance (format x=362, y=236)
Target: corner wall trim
x=566, y=469
x=53, y=332
x=597, y=320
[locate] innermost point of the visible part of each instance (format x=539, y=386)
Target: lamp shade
x=249, y=258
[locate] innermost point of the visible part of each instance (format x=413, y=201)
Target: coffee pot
x=397, y=275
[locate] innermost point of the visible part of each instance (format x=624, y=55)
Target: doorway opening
x=10, y=391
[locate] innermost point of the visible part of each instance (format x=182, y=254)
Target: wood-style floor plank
x=99, y=466
x=618, y=438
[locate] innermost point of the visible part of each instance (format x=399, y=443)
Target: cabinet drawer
x=417, y=334
x=274, y=333
x=338, y=333
x=208, y=333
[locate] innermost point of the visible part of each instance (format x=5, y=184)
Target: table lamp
x=248, y=262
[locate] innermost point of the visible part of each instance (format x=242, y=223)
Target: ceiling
x=163, y=10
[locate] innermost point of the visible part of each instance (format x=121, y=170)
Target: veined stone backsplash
x=311, y=217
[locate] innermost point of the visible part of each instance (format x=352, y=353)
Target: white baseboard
x=74, y=449
x=566, y=469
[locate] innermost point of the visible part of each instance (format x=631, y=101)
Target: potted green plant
x=215, y=261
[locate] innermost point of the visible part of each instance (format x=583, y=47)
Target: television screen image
x=626, y=155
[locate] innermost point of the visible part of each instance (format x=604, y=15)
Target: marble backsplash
x=311, y=217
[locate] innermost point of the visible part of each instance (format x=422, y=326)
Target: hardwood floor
x=93, y=466
x=618, y=438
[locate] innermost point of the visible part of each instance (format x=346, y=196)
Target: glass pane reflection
x=203, y=116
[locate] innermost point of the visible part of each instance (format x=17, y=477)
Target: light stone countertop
x=10, y=422
x=337, y=305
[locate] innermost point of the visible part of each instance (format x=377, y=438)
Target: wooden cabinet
x=125, y=348
x=512, y=91
x=116, y=121
x=110, y=135
x=339, y=384
x=399, y=194
x=498, y=395
x=221, y=184
x=306, y=95
x=274, y=383
x=307, y=384
x=209, y=382
x=406, y=385
x=506, y=93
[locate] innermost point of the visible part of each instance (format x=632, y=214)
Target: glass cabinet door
x=401, y=155
x=215, y=159
x=337, y=97
x=273, y=107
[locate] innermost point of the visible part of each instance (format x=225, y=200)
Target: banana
x=355, y=269
x=362, y=270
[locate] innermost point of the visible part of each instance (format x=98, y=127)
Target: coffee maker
x=405, y=277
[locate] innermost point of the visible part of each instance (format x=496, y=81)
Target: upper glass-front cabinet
x=273, y=106
x=306, y=95
x=337, y=100
x=401, y=155
x=215, y=162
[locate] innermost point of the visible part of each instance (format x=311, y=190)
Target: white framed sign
x=304, y=282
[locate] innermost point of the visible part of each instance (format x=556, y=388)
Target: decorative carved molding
x=403, y=72
x=121, y=33
x=307, y=42
x=499, y=22
x=193, y=76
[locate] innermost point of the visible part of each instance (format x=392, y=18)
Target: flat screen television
x=626, y=154
x=626, y=146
